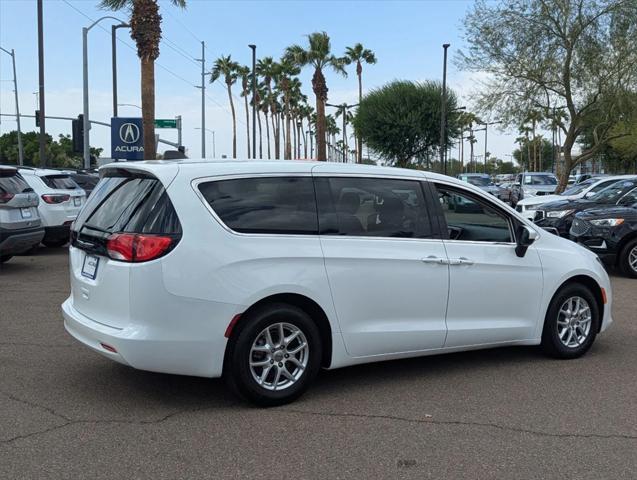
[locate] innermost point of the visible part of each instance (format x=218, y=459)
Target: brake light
x=6, y=197
x=56, y=198
x=135, y=247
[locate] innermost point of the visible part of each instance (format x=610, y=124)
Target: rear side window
x=373, y=207
x=129, y=204
x=281, y=205
x=13, y=183
x=59, y=182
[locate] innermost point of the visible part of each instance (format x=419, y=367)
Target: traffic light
x=37, y=118
x=78, y=134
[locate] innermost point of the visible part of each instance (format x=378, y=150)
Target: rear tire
x=628, y=259
x=5, y=258
x=572, y=322
x=267, y=368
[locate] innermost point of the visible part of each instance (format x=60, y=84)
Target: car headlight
x=559, y=213
x=607, y=222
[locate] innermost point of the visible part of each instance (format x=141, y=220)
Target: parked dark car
x=86, y=180
x=610, y=232
x=559, y=215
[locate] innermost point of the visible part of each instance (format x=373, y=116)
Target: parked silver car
x=20, y=225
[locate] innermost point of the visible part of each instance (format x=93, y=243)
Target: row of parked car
x=599, y=212
x=38, y=206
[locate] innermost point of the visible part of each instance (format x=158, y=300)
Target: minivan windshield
x=547, y=179
x=612, y=193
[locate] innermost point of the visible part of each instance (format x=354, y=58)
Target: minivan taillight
x=56, y=198
x=6, y=197
x=136, y=247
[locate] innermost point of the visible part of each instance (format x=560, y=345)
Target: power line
x=183, y=26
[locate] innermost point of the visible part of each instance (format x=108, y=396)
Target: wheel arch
x=592, y=285
x=309, y=306
x=622, y=244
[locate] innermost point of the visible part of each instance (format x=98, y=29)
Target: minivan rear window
x=12, y=182
x=283, y=205
x=129, y=204
x=60, y=182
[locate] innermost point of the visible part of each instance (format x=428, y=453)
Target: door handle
x=434, y=259
x=461, y=261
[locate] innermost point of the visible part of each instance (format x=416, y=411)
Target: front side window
x=471, y=218
x=630, y=198
x=374, y=207
x=278, y=205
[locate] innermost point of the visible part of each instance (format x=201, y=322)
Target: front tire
x=275, y=355
x=572, y=322
x=628, y=259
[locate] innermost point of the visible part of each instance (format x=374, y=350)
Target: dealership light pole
x=114, y=61
x=486, y=133
x=41, y=85
x=443, y=109
x=213, y=139
x=17, y=107
x=254, y=101
x=86, y=124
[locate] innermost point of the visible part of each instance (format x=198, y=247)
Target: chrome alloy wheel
x=632, y=258
x=279, y=356
x=574, y=322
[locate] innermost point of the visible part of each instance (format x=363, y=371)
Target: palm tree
x=359, y=54
x=319, y=56
x=264, y=106
x=285, y=71
x=145, y=25
x=226, y=67
x=244, y=73
x=268, y=69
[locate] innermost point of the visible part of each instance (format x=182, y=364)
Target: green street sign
x=165, y=123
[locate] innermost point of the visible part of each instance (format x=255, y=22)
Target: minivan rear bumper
x=142, y=348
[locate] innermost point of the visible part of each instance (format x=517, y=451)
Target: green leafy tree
x=228, y=69
x=318, y=55
x=59, y=151
x=401, y=121
x=145, y=30
x=359, y=55
x=543, y=54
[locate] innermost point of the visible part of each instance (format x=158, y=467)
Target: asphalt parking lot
x=66, y=412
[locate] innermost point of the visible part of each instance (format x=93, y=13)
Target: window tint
x=129, y=204
x=264, y=204
x=12, y=182
x=472, y=219
x=60, y=182
x=630, y=198
x=375, y=207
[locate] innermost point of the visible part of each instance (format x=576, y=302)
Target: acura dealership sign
x=127, y=138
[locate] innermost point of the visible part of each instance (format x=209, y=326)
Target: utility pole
x=17, y=107
x=41, y=85
x=114, y=61
x=178, y=121
x=443, y=109
x=203, y=97
x=254, y=101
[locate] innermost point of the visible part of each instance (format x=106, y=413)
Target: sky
x=406, y=36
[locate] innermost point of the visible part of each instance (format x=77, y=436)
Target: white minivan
x=263, y=272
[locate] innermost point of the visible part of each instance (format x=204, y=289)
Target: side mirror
x=589, y=194
x=525, y=238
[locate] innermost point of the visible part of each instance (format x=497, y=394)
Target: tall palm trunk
x=320, y=90
x=288, y=141
x=245, y=101
x=234, y=122
x=299, y=129
x=148, y=108
x=267, y=133
x=293, y=146
x=359, y=138
x=260, y=135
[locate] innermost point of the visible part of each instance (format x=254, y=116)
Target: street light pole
x=114, y=61
x=41, y=84
x=86, y=124
x=254, y=101
x=486, y=130
x=17, y=107
x=443, y=109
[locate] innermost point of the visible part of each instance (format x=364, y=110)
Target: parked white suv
x=61, y=199
x=264, y=272
x=585, y=189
